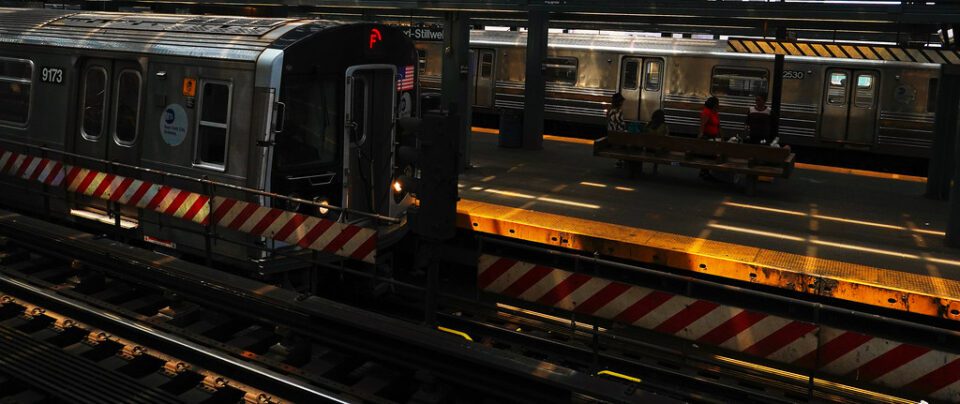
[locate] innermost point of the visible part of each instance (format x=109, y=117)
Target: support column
x=455, y=82
x=947, y=127
x=776, y=96
x=535, y=88
x=943, y=154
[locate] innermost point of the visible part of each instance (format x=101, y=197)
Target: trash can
x=511, y=128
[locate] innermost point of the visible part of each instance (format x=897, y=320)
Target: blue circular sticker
x=173, y=124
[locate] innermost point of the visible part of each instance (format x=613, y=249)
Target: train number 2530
x=793, y=75
x=51, y=75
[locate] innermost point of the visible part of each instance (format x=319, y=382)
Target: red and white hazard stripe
x=839, y=352
x=310, y=232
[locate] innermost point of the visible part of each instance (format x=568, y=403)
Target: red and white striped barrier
x=838, y=352
x=310, y=232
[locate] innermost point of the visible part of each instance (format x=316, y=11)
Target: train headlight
x=323, y=202
x=402, y=186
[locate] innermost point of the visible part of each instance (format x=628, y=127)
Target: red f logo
x=374, y=37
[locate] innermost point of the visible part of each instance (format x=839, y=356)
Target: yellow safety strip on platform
x=455, y=332
x=843, y=51
x=859, y=173
x=619, y=376
x=552, y=138
x=910, y=292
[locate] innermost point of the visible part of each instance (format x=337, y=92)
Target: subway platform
x=865, y=237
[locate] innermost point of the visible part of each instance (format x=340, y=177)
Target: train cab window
x=312, y=122
x=213, y=125
x=128, y=107
x=560, y=70
x=486, y=64
x=94, y=103
x=422, y=61
x=837, y=88
x=736, y=81
x=631, y=69
x=932, y=86
x=652, y=75
x=15, y=82
x=865, y=93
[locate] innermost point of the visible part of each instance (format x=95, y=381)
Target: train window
x=94, y=101
x=837, y=88
x=932, y=86
x=422, y=60
x=652, y=75
x=631, y=68
x=311, y=127
x=560, y=70
x=128, y=107
x=486, y=64
x=214, y=124
x=865, y=92
x=15, y=83
x=735, y=81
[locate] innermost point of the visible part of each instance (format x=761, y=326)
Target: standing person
x=758, y=122
x=709, y=128
x=615, y=122
x=657, y=124
x=710, y=119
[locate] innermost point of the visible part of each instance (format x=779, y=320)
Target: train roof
x=216, y=37
x=619, y=43
x=625, y=43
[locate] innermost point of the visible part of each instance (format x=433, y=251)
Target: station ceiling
x=869, y=20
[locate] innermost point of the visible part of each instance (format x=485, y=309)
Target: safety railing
x=207, y=208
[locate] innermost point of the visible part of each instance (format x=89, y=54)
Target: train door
x=641, y=87
x=368, y=137
x=850, y=106
x=110, y=105
x=484, y=81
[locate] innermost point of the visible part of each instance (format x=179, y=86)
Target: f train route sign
x=844, y=51
x=848, y=354
x=309, y=232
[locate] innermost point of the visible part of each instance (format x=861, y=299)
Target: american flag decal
x=405, y=79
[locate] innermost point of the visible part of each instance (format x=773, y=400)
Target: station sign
x=424, y=33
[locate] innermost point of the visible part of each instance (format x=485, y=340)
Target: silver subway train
x=883, y=107
x=299, y=108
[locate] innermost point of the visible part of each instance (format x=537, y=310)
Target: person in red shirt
x=710, y=119
x=709, y=128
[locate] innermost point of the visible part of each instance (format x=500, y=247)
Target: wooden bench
x=751, y=161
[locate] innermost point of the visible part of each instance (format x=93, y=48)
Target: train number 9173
x=793, y=75
x=51, y=75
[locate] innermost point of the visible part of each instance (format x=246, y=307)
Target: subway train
x=256, y=107
x=876, y=106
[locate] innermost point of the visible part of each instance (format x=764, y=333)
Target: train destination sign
x=424, y=33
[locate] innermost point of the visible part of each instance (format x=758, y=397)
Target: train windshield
x=311, y=125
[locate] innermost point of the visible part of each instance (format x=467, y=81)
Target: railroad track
x=301, y=347
x=291, y=365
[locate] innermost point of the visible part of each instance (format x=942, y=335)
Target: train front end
x=344, y=88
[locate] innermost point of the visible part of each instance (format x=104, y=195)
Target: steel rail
x=192, y=347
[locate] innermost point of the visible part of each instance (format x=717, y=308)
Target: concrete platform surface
x=870, y=220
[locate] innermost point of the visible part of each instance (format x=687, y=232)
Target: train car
x=878, y=106
x=300, y=108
